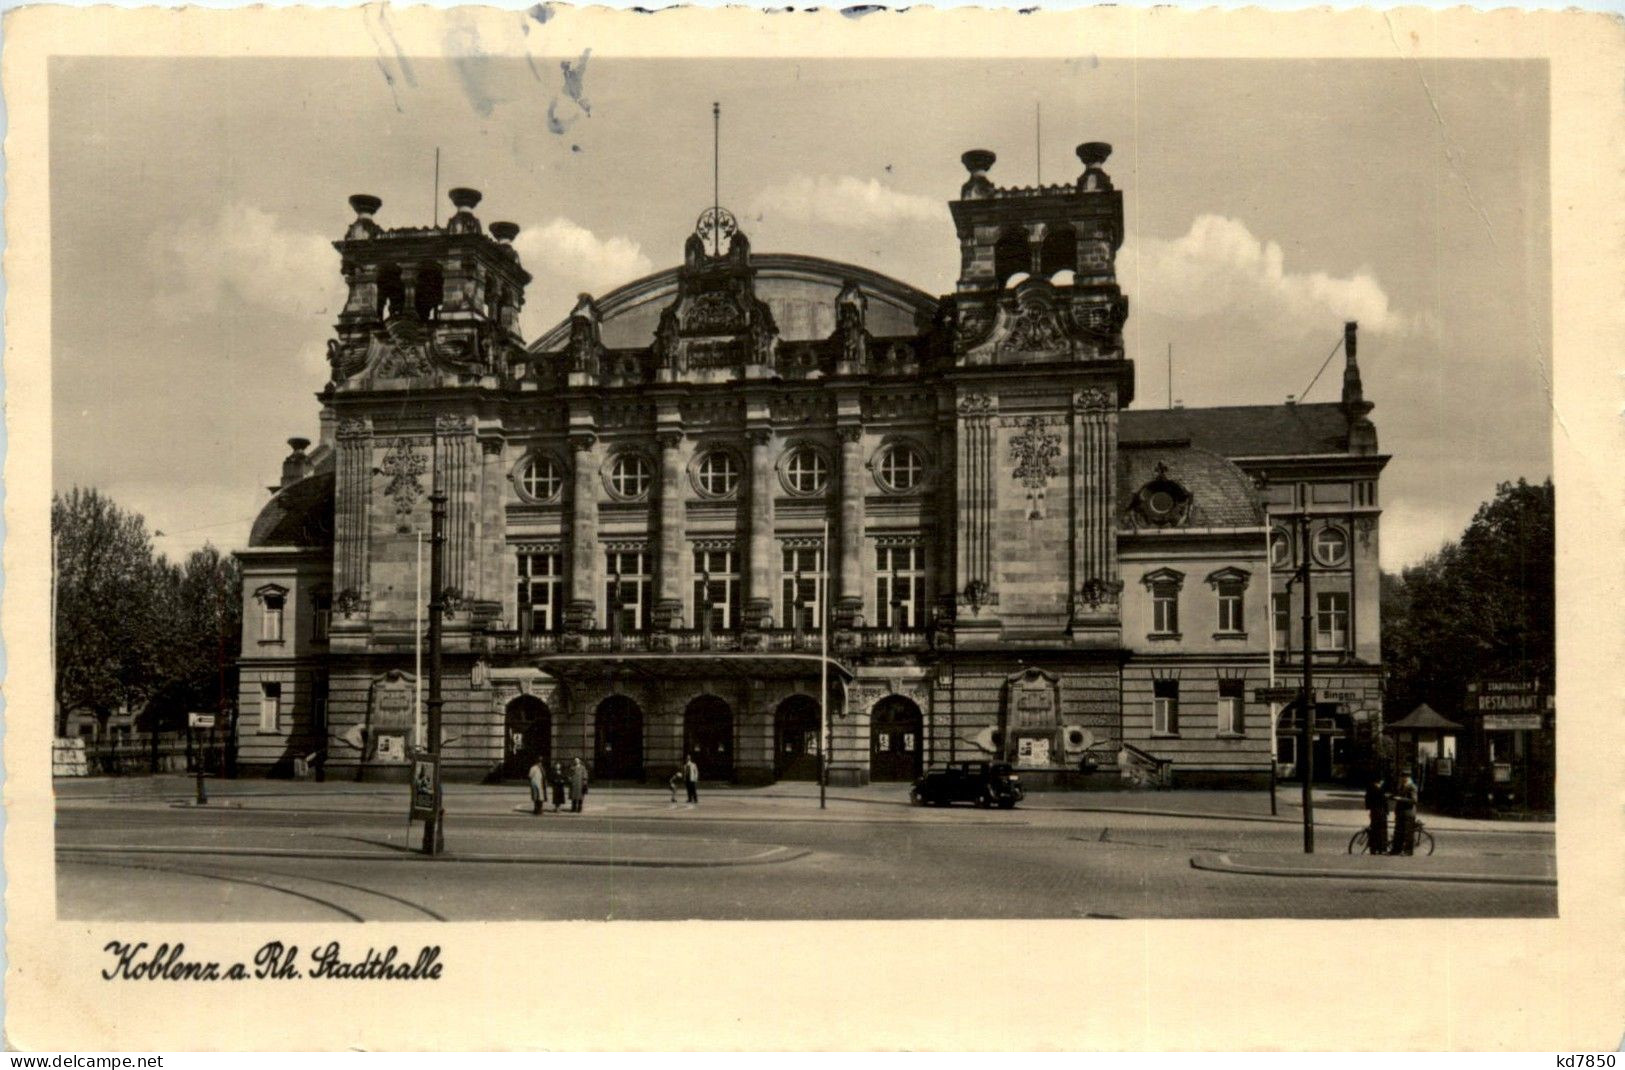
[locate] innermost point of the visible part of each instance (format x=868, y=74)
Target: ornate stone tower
x=429, y=328
x=1039, y=372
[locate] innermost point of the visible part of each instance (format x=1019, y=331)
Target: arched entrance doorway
x=896, y=739
x=708, y=736
x=529, y=735
x=618, y=740
x=796, y=746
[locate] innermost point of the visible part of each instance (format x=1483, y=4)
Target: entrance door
x=708, y=737
x=896, y=740
x=796, y=746
x=529, y=736
x=618, y=740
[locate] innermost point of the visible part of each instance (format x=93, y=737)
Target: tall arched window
x=1059, y=251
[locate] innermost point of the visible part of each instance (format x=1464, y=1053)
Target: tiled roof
x=1242, y=430
x=1221, y=494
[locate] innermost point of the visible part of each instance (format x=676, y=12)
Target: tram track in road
x=286, y=884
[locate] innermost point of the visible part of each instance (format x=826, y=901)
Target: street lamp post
x=434, y=827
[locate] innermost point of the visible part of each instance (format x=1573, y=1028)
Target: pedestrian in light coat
x=691, y=780
x=538, y=786
x=1404, y=816
x=578, y=784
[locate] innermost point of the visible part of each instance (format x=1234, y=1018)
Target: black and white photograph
x=582, y=486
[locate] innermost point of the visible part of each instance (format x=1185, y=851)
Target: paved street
x=136, y=849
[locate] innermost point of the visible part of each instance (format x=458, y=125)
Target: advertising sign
x=1511, y=722
x=425, y=786
x=1506, y=696
x=200, y=720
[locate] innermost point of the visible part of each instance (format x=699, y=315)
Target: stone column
x=668, y=609
x=759, y=604
x=582, y=612
x=849, y=601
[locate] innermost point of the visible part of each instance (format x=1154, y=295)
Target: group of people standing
x=1376, y=807
x=560, y=782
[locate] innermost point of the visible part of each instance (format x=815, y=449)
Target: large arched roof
x=801, y=291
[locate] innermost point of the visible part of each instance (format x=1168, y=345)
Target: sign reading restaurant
x=1509, y=705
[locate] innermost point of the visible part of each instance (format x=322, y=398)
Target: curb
x=1221, y=862
x=630, y=815
x=771, y=856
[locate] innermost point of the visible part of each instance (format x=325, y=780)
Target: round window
x=1331, y=546
x=629, y=476
x=902, y=468
x=807, y=472
x=719, y=474
x=1161, y=503
x=539, y=479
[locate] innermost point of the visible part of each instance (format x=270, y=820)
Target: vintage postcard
x=718, y=528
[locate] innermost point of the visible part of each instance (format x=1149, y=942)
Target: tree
x=108, y=606
x=1483, y=607
x=198, y=668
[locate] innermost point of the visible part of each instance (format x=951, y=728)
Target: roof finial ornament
x=716, y=224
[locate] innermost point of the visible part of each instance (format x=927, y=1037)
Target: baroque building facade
x=661, y=511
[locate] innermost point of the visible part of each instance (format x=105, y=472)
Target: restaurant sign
x=1522, y=698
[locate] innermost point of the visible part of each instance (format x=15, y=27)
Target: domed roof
x=1220, y=494
x=300, y=514
x=801, y=291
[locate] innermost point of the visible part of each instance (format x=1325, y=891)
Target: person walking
x=691, y=780
x=1404, y=816
x=1376, y=808
x=538, y=786
x=557, y=783
x=578, y=784
x=674, y=783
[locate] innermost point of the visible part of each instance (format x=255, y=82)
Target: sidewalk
x=1457, y=869
x=1335, y=808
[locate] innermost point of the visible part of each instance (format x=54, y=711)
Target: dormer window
x=1162, y=502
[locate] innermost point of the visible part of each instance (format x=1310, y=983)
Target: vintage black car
x=982, y=783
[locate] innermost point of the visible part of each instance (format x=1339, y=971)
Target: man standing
x=538, y=786
x=578, y=785
x=1376, y=808
x=691, y=780
x=1404, y=815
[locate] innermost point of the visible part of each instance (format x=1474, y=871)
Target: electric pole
x=1307, y=702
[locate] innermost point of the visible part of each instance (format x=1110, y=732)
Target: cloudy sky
x=194, y=203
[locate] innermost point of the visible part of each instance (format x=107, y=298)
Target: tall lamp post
x=1306, y=702
x=434, y=828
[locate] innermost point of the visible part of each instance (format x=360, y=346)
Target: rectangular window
x=271, y=619
x=1281, y=605
x=322, y=616
x=541, y=592
x=1165, y=707
x=1230, y=607
x=1164, y=608
x=1332, y=620
x=627, y=590
x=1232, y=707
x=899, y=586
x=716, y=590
x=803, y=587
x=270, y=707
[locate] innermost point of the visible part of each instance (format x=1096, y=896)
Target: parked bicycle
x=1360, y=842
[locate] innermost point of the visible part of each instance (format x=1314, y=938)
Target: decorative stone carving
x=1034, y=451
x=347, y=603
x=978, y=404
x=849, y=433
x=354, y=427
x=403, y=465
x=1092, y=399
x=448, y=423
x=1100, y=594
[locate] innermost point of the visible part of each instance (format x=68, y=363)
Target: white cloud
x=845, y=201
x=1219, y=267
x=245, y=256
x=563, y=250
